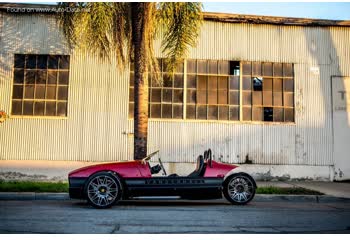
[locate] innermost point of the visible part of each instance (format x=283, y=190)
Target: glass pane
x=257, y=83
x=51, y=92
x=62, y=93
x=247, y=68
x=167, y=95
x=52, y=62
x=256, y=69
x=201, y=112
x=267, y=98
x=131, y=110
x=223, y=67
x=213, y=67
x=50, y=108
x=155, y=111
x=234, y=82
x=18, y=76
x=267, y=69
x=16, y=107
x=166, y=111
x=223, y=113
x=62, y=109
x=212, y=97
x=234, y=113
x=212, y=83
x=191, y=112
x=178, y=96
x=64, y=62
x=223, y=83
x=277, y=85
x=40, y=92
x=28, y=108
x=234, y=97
x=39, y=108
x=191, y=96
x=202, y=97
x=131, y=94
x=191, y=81
x=278, y=114
x=167, y=80
x=257, y=98
x=277, y=69
x=213, y=112
x=42, y=61
x=247, y=98
x=29, y=92
x=289, y=99
x=222, y=95
x=268, y=114
x=17, y=92
x=277, y=98
x=52, y=77
x=63, y=77
x=178, y=111
x=289, y=115
x=41, y=77
x=165, y=67
x=247, y=114
x=131, y=79
x=179, y=81
x=287, y=70
x=257, y=114
x=247, y=83
x=289, y=85
x=202, y=66
x=19, y=60
x=156, y=95
x=191, y=66
x=30, y=76
x=202, y=82
x=267, y=84
x=31, y=61
x=179, y=67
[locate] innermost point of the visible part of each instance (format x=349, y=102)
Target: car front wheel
x=103, y=190
x=239, y=188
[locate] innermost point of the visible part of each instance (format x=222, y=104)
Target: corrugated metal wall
x=98, y=99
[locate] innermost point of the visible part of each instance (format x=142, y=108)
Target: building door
x=341, y=127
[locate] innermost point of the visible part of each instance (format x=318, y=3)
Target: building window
x=267, y=92
x=40, y=85
x=222, y=90
x=165, y=96
x=212, y=90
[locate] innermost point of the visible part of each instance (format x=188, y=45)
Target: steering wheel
x=161, y=164
x=209, y=158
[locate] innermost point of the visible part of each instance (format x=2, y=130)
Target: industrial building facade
x=269, y=93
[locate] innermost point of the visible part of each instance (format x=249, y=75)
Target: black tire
x=239, y=188
x=103, y=190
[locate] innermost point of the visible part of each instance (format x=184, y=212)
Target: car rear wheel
x=103, y=190
x=239, y=188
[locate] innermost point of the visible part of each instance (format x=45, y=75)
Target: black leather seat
x=200, y=169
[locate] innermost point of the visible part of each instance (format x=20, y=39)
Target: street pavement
x=70, y=216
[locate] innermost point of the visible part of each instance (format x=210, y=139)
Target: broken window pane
x=234, y=82
x=277, y=69
x=247, y=98
x=201, y=112
x=223, y=113
x=213, y=112
x=257, y=98
x=257, y=83
x=166, y=111
x=178, y=111
x=257, y=114
x=234, y=68
x=213, y=67
x=267, y=69
x=247, y=114
x=268, y=114
x=234, y=113
x=267, y=98
x=234, y=97
x=278, y=114
x=247, y=68
x=191, y=112
x=39, y=108
x=202, y=66
x=191, y=66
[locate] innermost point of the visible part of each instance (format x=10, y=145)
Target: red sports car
x=105, y=184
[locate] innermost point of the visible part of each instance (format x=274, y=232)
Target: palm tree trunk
x=138, y=12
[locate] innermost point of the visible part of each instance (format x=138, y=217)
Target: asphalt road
x=174, y=217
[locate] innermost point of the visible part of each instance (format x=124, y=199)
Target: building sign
x=341, y=96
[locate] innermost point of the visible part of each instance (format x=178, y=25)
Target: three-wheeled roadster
x=105, y=184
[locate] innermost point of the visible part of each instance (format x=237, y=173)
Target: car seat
x=200, y=168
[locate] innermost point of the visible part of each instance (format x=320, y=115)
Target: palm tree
x=126, y=31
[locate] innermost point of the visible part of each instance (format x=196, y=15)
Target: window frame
x=45, y=99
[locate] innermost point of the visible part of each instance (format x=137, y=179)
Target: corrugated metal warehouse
x=269, y=93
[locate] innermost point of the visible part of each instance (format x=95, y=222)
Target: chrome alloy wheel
x=240, y=189
x=102, y=190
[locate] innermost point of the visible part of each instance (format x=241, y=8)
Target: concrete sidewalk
x=335, y=189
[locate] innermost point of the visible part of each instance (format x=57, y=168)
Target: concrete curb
x=22, y=196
